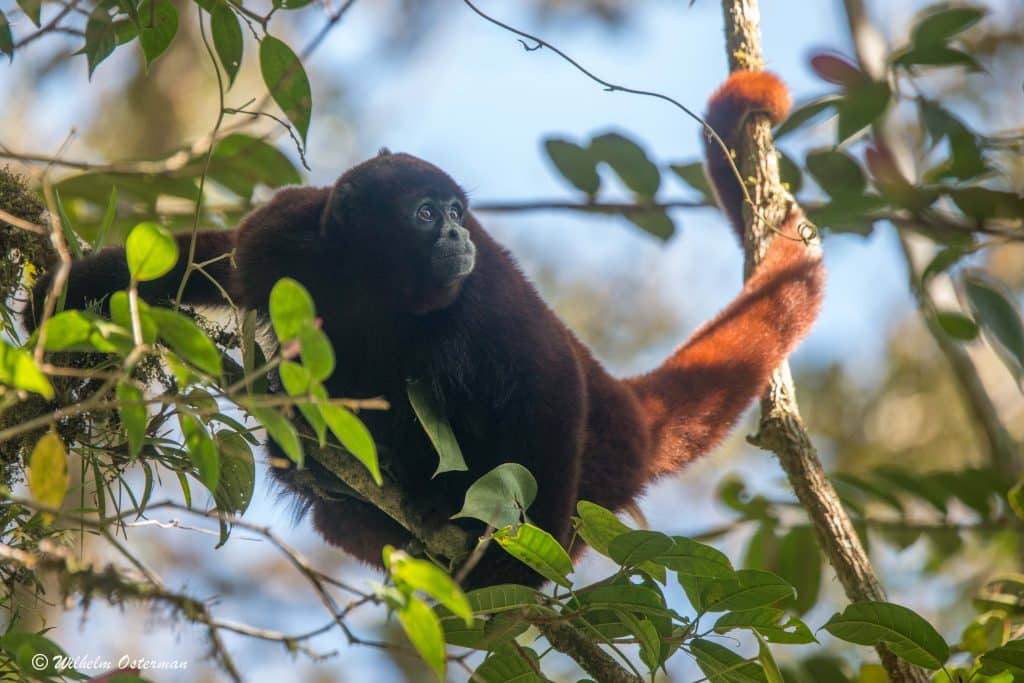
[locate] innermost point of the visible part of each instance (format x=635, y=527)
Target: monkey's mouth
x=451, y=266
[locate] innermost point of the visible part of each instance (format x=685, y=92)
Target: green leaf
x=227, y=38
x=187, y=340
x=655, y=221
x=6, y=39
x=1015, y=497
x=66, y=330
x=422, y=575
x=752, y=588
x=26, y=647
x=768, y=663
x=983, y=203
x=350, y=431
x=806, y=112
x=508, y=666
x=693, y=175
x=287, y=82
x=576, y=164
x=281, y=431
x=904, y=632
x=998, y=316
x=132, y=410
x=424, y=631
x=1008, y=658
x=120, y=313
x=297, y=382
x=861, y=106
x=291, y=307
x=100, y=37
x=634, y=547
x=956, y=325
x=598, y=527
x=19, y=370
x=241, y=162
x=291, y=4
x=501, y=496
x=765, y=620
x=437, y=427
x=151, y=251
x=48, y=471
x=159, y=25
x=647, y=637
x=938, y=27
x=201, y=450
x=722, y=665
x=317, y=353
x=501, y=598
x=626, y=597
x=690, y=558
x=629, y=161
x=237, y=472
x=837, y=173
x=799, y=563
x=32, y=10
x=539, y=550
x=942, y=261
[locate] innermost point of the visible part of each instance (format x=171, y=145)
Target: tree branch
x=781, y=429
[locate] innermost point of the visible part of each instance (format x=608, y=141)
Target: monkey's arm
x=99, y=275
x=694, y=399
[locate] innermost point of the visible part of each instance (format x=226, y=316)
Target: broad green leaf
x=297, y=382
x=987, y=632
x=291, y=307
x=132, y=409
x=765, y=620
x=48, y=472
x=905, y=633
x=32, y=10
x=66, y=330
x=457, y=633
x=647, y=637
x=937, y=27
x=771, y=669
x=501, y=496
x=241, y=162
x=100, y=37
x=437, y=427
x=837, y=173
x=201, y=450
x=501, y=598
x=6, y=40
x=19, y=370
x=37, y=654
x=227, y=38
x=752, y=588
x=354, y=436
x=806, y=112
x=861, y=106
x=941, y=263
x=799, y=563
x=956, y=325
x=151, y=251
x=506, y=667
x=691, y=558
x=626, y=597
x=984, y=203
x=629, y=161
x=287, y=82
x=424, y=631
x=693, y=175
x=576, y=164
x=159, y=25
x=187, y=340
x=281, y=431
x=998, y=316
x=422, y=575
x=1008, y=658
x=598, y=527
x=120, y=313
x=317, y=353
x=722, y=665
x=634, y=547
x=654, y=221
x=237, y=472
x=539, y=550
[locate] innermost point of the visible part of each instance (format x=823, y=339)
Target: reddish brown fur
x=513, y=381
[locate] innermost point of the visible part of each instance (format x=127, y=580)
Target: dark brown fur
x=514, y=382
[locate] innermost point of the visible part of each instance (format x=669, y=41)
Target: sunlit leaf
x=287, y=82
x=48, y=472
x=722, y=665
x=905, y=633
x=187, y=340
x=634, y=547
x=424, y=631
x=422, y=575
x=19, y=370
x=501, y=496
x=291, y=307
x=353, y=435
x=201, y=450
x=151, y=251
x=281, y=431
x=132, y=410
x=539, y=550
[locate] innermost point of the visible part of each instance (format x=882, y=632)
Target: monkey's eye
x=455, y=212
x=425, y=214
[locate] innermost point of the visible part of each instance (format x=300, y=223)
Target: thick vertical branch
x=781, y=429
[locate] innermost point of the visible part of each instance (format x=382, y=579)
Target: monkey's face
x=448, y=250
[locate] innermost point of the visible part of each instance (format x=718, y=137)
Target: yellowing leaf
x=48, y=473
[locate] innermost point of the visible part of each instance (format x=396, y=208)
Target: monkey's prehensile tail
x=694, y=398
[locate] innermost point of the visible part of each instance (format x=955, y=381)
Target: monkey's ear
x=337, y=207
x=384, y=152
